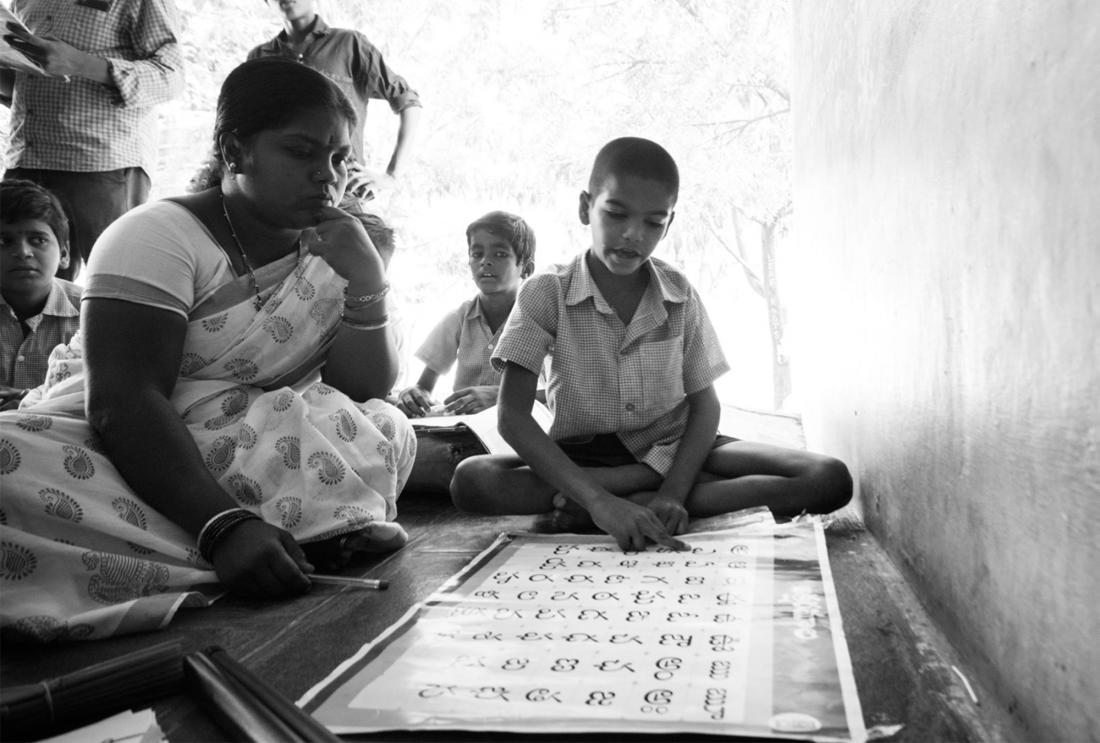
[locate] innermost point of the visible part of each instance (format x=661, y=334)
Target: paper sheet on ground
x=484, y=425
x=134, y=727
x=566, y=633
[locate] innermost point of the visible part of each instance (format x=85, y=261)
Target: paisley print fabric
x=83, y=557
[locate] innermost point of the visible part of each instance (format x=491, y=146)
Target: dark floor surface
x=902, y=667
x=905, y=670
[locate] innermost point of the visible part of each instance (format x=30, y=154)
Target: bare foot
x=570, y=517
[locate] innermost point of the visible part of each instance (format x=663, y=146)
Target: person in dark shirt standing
x=85, y=127
x=350, y=60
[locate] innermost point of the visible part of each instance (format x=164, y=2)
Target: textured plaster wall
x=947, y=317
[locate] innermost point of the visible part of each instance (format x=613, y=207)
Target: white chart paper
x=567, y=633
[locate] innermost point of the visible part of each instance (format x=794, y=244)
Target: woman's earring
x=232, y=166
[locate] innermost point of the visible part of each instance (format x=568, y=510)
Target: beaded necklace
x=244, y=258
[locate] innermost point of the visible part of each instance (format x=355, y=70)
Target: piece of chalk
x=339, y=580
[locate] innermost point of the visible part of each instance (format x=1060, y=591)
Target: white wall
x=948, y=236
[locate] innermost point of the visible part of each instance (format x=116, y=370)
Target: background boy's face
x=29, y=257
x=493, y=263
x=628, y=216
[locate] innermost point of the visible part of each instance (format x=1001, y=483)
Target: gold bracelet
x=359, y=301
x=376, y=325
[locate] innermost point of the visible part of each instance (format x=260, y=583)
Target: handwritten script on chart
x=566, y=633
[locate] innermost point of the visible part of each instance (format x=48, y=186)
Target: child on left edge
x=37, y=310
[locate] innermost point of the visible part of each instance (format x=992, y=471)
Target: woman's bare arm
x=132, y=354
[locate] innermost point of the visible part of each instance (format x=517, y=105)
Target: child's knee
x=471, y=480
x=833, y=481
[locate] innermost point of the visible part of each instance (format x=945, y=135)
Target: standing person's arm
x=375, y=79
x=133, y=355
x=406, y=131
x=154, y=75
x=57, y=58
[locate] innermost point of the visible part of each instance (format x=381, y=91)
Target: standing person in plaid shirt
x=37, y=310
x=85, y=128
x=634, y=448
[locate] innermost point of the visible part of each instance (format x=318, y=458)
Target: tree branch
x=750, y=276
x=738, y=126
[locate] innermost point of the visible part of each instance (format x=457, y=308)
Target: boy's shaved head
x=638, y=157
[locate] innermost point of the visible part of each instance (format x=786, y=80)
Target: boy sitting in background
x=633, y=448
x=37, y=310
x=501, y=252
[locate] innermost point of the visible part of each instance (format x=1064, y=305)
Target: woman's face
x=291, y=173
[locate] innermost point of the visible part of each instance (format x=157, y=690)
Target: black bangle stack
x=218, y=527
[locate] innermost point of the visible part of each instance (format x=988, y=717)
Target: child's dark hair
x=637, y=157
x=21, y=199
x=380, y=233
x=511, y=228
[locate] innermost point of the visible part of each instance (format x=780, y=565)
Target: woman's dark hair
x=22, y=199
x=268, y=93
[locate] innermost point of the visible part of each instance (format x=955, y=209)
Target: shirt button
x=20, y=358
x=629, y=407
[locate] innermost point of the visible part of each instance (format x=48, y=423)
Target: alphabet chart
x=741, y=635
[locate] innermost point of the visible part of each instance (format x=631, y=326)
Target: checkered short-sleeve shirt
x=465, y=337
x=24, y=359
x=605, y=377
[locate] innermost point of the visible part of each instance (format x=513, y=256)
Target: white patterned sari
x=83, y=557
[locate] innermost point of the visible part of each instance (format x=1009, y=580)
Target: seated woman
x=220, y=409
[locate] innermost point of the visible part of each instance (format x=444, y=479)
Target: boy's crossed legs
x=734, y=476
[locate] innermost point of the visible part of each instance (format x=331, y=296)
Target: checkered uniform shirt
x=84, y=126
x=23, y=361
x=605, y=377
x=462, y=336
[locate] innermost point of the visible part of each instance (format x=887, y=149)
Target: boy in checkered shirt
x=633, y=449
